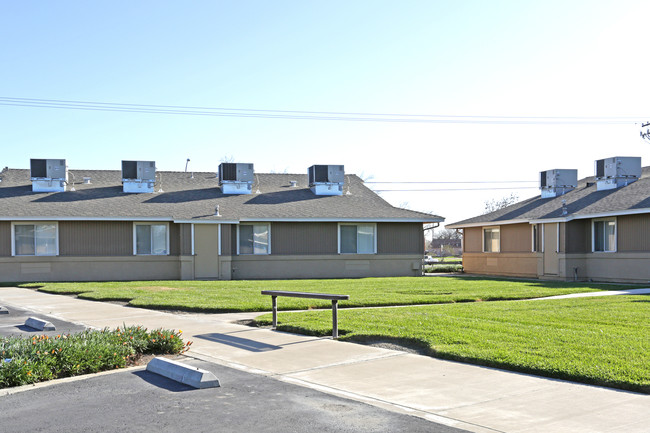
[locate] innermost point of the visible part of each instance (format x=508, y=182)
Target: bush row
x=39, y=358
x=443, y=268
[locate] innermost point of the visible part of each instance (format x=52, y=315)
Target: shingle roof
x=583, y=201
x=187, y=198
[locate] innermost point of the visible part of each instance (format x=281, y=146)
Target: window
x=604, y=235
x=35, y=239
x=491, y=240
x=254, y=239
x=357, y=239
x=151, y=239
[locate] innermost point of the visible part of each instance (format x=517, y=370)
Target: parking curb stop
x=40, y=324
x=183, y=373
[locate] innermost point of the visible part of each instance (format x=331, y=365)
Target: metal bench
x=334, y=298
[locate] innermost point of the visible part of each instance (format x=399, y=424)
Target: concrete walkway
x=603, y=293
x=469, y=397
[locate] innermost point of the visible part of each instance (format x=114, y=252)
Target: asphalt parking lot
x=140, y=401
x=13, y=323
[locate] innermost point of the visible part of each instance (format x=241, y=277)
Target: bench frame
x=334, y=298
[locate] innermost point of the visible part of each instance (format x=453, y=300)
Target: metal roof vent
x=326, y=179
x=48, y=175
x=236, y=178
x=612, y=173
x=293, y=183
x=555, y=183
x=138, y=176
x=87, y=180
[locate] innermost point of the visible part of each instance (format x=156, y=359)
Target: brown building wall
x=473, y=239
x=510, y=264
x=516, y=238
x=185, y=231
x=233, y=239
x=578, y=236
x=400, y=238
x=304, y=238
x=95, y=238
x=633, y=233
x=5, y=239
x=226, y=239
x=174, y=239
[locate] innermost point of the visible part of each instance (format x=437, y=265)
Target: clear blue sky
x=464, y=58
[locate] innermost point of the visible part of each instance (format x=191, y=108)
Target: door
x=206, y=251
x=551, y=265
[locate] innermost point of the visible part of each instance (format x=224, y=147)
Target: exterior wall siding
x=95, y=238
x=5, y=239
x=185, y=239
x=304, y=238
x=226, y=239
x=578, y=236
x=400, y=238
x=516, y=238
x=633, y=233
x=174, y=239
x=473, y=239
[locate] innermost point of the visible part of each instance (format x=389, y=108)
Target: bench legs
x=335, y=319
x=274, y=303
x=335, y=316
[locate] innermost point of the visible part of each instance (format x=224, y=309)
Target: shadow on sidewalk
x=238, y=342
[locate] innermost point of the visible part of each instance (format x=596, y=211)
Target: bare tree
x=447, y=234
x=496, y=204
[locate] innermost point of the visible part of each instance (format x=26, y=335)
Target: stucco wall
x=508, y=264
x=324, y=266
x=25, y=269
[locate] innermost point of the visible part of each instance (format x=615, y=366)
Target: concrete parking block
x=40, y=324
x=183, y=373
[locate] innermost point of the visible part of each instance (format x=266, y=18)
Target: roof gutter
x=553, y=220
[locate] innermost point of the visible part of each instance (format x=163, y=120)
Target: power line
x=456, y=182
x=307, y=115
x=452, y=189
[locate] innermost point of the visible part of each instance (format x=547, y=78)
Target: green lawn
x=228, y=296
x=600, y=340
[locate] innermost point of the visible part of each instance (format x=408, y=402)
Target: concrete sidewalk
x=469, y=397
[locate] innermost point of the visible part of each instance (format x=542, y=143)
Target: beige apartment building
x=96, y=225
x=596, y=229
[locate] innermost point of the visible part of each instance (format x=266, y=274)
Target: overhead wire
x=308, y=115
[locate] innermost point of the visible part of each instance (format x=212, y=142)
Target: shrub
x=39, y=358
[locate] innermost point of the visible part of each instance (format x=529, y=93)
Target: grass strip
x=599, y=340
x=25, y=360
x=236, y=296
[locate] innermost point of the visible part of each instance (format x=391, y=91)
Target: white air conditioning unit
x=326, y=179
x=236, y=178
x=557, y=182
x=138, y=176
x=612, y=173
x=48, y=175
